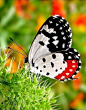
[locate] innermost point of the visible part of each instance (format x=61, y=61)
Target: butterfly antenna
x=16, y=51
x=17, y=45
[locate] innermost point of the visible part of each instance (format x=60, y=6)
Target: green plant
x=17, y=92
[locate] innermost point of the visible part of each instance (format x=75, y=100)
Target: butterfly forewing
x=54, y=35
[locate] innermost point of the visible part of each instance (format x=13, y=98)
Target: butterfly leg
x=31, y=76
x=39, y=77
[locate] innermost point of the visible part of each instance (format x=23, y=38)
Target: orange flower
x=80, y=22
x=13, y=67
x=40, y=22
x=18, y=61
x=58, y=8
x=77, y=83
x=81, y=19
x=24, y=8
x=77, y=100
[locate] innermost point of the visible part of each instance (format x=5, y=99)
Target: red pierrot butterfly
x=51, y=54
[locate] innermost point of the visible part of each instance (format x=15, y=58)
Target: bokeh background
x=21, y=19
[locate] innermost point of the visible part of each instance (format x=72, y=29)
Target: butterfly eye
x=26, y=60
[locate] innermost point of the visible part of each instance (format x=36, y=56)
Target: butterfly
x=51, y=54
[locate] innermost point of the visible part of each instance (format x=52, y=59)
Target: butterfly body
x=51, y=54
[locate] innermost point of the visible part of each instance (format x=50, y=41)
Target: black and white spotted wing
x=49, y=65
x=54, y=35
x=63, y=65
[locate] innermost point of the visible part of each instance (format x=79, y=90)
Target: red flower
x=24, y=8
x=58, y=8
x=80, y=22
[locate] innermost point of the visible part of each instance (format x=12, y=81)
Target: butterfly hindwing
x=62, y=66
x=49, y=65
x=72, y=57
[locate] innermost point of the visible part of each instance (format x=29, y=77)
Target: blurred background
x=21, y=19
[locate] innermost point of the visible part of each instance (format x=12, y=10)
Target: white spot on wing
x=70, y=45
x=55, y=37
x=73, y=76
x=60, y=28
x=49, y=30
x=62, y=33
x=67, y=74
x=79, y=66
x=57, y=24
x=65, y=80
x=61, y=20
x=79, y=55
x=73, y=66
x=70, y=35
x=75, y=50
x=70, y=70
x=55, y=42
x=62, y=77
x=73, y=61
x=69, y=57
x=77, y=71
x=50, y=21
x=80, y=61
x=63, y=45
x=55, y=16
x=64, y=38
x=69, y=29
x=66, y=24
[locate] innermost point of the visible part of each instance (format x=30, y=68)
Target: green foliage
x=17, y=92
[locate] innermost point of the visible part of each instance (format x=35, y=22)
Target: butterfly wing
x=72, y=58
x=51, y=53
x=54, y=35
x=62, y=66
x=49, y=65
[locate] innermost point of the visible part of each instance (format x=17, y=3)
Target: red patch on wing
x=70, y=70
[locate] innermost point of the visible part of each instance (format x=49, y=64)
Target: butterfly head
x=26, y=60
